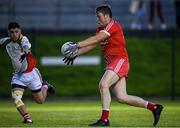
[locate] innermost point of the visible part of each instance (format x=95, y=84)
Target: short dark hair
x=13, y=25
x=104, y=9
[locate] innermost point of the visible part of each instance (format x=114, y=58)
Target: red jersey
x=115, y=44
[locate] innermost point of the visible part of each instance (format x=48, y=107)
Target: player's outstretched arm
x=80, y=51
x=83, y=47
x=86, y=49
x=93, y=39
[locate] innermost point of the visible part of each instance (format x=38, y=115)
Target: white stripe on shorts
x=39, y=74
x=118, y=66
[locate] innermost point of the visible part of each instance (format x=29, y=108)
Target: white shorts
x=32, y=79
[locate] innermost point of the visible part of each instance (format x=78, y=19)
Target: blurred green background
x=150, y=67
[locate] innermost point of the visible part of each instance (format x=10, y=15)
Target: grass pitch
x=80, y=113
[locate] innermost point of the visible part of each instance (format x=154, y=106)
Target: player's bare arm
x=83, y=46
x=86, y=49
x=75, y=49
x=93, y=39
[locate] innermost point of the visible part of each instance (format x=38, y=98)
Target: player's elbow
x=97, y=39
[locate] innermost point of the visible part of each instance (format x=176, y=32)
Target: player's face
x=102, y=19
x=14, y=33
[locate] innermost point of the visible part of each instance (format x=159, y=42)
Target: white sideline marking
x=57, y=60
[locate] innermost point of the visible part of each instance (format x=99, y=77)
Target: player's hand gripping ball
x=70, y=49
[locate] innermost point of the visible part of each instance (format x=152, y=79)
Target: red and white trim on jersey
x=107, y=28
x=104, y=31
x=118, y=66
x=109, y=25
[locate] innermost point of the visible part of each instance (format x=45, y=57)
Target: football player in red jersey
x=25, y=74
x=111, y=38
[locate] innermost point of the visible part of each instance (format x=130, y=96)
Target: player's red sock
x=105, y=115
x=151, y=106
x=26, y=116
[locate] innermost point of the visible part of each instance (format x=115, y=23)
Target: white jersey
x=15, y=50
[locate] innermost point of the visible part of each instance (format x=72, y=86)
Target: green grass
x=76, y=113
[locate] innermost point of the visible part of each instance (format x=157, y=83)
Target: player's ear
x=106, y=16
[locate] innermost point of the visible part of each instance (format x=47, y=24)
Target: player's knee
x=17, y=96
x=103, y=85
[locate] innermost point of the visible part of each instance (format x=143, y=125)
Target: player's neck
x=108, y=21
x=20, y=37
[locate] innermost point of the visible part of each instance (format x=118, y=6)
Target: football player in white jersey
x=25, y=74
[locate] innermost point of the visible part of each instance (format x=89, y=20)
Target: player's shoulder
x=25, y=41
x=109, y=25
x=24, y=38
x=5, y=40
x=113, y=25
x=116, y=24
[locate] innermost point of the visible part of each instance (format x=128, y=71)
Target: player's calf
x=17, y=96
x=39, y=95
x=40, y=101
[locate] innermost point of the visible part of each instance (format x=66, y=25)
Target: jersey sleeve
x=3, y=40
x=110, y=28
x=25, y=42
